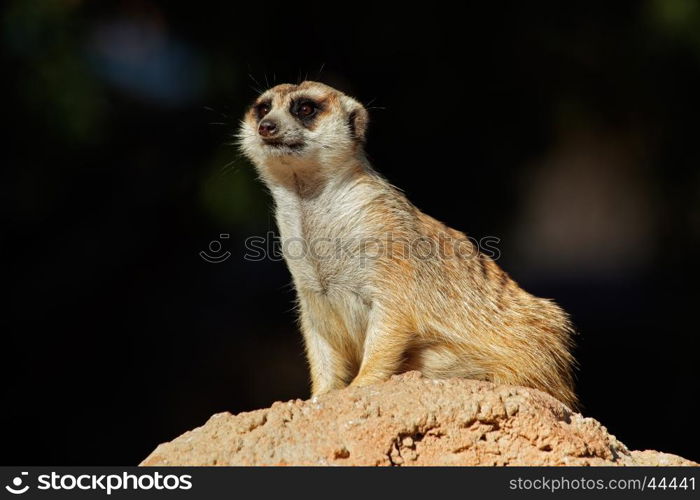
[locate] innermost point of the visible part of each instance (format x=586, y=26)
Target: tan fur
x=406, y=292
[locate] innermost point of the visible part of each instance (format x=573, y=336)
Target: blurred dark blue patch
x=137, y=57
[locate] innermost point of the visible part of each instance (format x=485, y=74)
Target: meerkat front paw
x=369, y=379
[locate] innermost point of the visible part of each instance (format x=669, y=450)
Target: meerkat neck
x=311, y=181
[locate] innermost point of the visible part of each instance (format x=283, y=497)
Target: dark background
x=568, y=130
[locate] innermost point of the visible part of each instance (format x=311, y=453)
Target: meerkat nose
x=267, y=128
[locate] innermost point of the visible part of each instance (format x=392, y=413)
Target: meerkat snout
x=267, y=128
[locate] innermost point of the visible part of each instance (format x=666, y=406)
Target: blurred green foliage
x=231, y=195
x=60, y=88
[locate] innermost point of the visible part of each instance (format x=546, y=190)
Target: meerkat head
x=305, y=126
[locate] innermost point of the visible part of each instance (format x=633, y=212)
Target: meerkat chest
x=321, y=242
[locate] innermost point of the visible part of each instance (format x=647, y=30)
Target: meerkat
x=382, y=287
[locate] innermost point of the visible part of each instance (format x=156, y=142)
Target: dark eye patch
x=262, y=108
x=305, y=110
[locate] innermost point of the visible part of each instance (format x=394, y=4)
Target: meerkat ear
x=358, y=119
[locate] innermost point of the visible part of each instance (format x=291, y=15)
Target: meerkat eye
x=262, y=109
x=306, y=109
